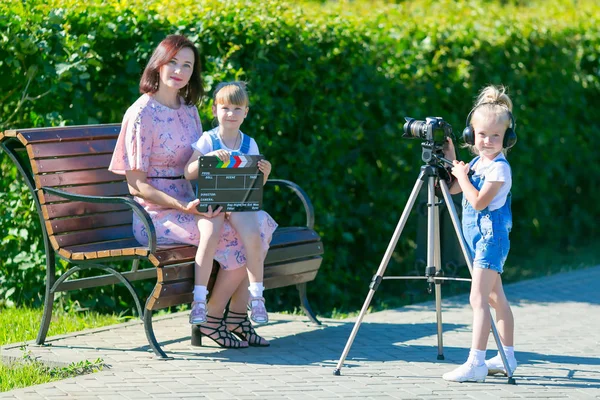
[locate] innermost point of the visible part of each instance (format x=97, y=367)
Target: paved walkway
x=393, y=356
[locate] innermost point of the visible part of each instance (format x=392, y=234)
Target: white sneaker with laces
x=467, y=372
x=495, y=365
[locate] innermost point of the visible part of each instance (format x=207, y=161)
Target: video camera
x=434, y=130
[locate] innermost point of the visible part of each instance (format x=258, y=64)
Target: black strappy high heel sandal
x=244, y=330
x=220, y=335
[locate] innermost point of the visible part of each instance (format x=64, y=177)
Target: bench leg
x=305, y=305
x=196, y=336
x=151, y=338
x=48, y=298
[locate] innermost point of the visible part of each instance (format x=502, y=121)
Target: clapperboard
x=236, y=185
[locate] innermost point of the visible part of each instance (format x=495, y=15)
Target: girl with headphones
x=486, y=223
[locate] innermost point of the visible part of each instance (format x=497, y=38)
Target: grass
x=31, y=372
x=24, y=323
x=21, y=325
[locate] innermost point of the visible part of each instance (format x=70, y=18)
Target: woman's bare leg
x=239, y=299
x=238, y=305
x=228, y=282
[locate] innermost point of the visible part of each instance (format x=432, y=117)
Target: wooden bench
x=86, y=215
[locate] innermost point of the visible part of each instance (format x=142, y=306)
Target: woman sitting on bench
x=153, y=147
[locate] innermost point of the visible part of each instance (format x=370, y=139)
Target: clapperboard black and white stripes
x=236, y=185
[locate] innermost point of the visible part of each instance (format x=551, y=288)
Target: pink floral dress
x=158, y=140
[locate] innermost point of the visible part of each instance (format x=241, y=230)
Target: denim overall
x=216, y=143
x=485, y=231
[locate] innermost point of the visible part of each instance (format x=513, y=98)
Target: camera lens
x=414, y=128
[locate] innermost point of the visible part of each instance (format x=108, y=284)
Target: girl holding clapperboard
x=254, y=229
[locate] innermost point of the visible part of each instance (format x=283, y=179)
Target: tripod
x=430, y=172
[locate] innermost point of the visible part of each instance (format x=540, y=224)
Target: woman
x=152, y=149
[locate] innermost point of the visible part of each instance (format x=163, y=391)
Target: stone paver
x=394, y=355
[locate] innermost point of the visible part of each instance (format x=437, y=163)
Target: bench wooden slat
x=61, y=133
x=298, y=241
x=92, y=236
x=90, y=282
x=281, y=254
x=177, y=272
x=101, y=189
x=127, y=246
x=180, y=282
x=57, y=226
x=78, y=208
x=76, y=178
x=173, y=255
x=47, y=165
x=289, y=235
x=7, y=134
x=62, y=149
x=173, y=288
x=282, y=281
x=301, y=266
x=164, y=302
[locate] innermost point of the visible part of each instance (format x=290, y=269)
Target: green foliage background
x=330, y=84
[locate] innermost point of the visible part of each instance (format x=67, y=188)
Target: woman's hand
x=210, y=213
x=264, y=166
x=222, y=154
x=190, y=207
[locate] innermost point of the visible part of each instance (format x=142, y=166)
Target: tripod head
x=433, y=155
x=435, y=163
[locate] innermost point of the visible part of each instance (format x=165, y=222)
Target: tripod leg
x=438, y=286
x=434, y=257
x=378, y=277
x=463, y=245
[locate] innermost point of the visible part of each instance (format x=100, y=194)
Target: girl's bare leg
x=504, y=316
x=210, y=231
x=506, y=330
x=247, y=227
x=484, y=280
x=475, y=369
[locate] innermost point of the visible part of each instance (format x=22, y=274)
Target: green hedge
x=330, y=85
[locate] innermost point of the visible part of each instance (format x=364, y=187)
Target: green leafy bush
x=329, y=85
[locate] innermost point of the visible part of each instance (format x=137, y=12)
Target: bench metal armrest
x=308, y=207
x=139, y=210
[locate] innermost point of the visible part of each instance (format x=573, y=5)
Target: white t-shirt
x=204, y=144
x=495, y=171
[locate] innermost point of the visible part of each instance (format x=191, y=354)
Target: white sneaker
x=495, y=365
x=467, y=373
